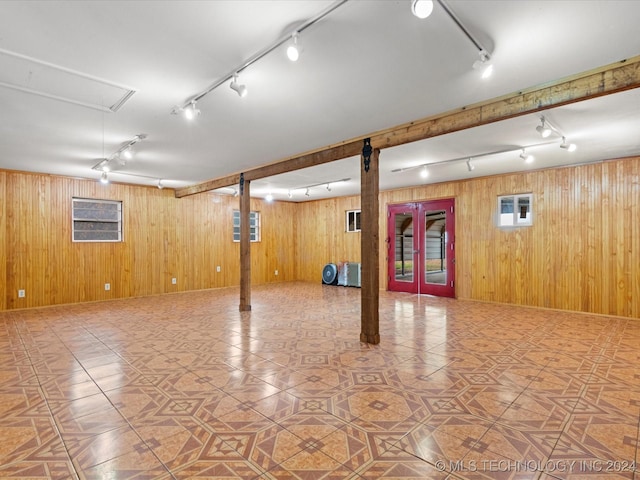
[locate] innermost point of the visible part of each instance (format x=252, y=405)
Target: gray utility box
x=349, y=274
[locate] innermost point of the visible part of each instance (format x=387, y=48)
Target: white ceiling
x=367, y=66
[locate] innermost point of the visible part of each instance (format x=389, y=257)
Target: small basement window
x=96, y=220
x=515, y=210
x=353, y=220
x=254, y=226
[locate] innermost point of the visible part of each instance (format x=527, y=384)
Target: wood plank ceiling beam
x=607, y=80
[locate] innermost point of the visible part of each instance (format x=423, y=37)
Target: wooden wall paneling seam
x=613, y=78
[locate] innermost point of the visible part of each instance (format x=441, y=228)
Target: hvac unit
x=349, y=274
x=330, y=274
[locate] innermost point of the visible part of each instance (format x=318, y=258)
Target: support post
x=245, y=245
x=369, y=244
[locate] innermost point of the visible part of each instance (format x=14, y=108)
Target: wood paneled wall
x=164, y=237
x=582, y=252
x=322, y=237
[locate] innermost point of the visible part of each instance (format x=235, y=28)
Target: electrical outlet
x=276, y=273
x=20, y=293
x=218, y=268
x=174, y=281
x=107, y=286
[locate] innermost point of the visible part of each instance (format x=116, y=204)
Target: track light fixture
x=104, y=179
x=160, y=184
x=569, y=147
x=307, y=193
x=424, y=173
x=543, y=129
x=191, y=111
x=470, y=160
x=328, y=187
x=484, y=62
x=119, y=157
x=238, y=88
x=289, y=194
x=421, y=8
x=269, y=197
x=257, y=56
x=293, y=51
x=525, y=157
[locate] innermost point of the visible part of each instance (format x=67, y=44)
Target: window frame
x=517, y=220
x=119, y=221
x=357, y=221
x=256, y=237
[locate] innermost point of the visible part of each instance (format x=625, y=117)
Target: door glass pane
x=404, y=247
x=435, y=248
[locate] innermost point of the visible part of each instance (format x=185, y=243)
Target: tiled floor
x=185, y=386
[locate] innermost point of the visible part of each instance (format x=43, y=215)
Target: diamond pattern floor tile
x=185, y=386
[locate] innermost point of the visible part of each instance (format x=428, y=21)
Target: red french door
x=421, y=242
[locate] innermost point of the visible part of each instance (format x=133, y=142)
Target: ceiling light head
x=289, y=194
x=239, y=89
x=160, y=184
x=543, y=129
x=527, y=158
x=269, y=197
x=118, y=157
x=104, y=179
x=293, y=51
x=569, y=147
x=328, y=187
x=421, y=8
x=127, y=154
x=470, y=166
x=484, y=64
x=307, y=193
x=191, y=111
x=424, y=173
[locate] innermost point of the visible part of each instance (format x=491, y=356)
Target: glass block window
x=254, y=226
x=96, y=220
